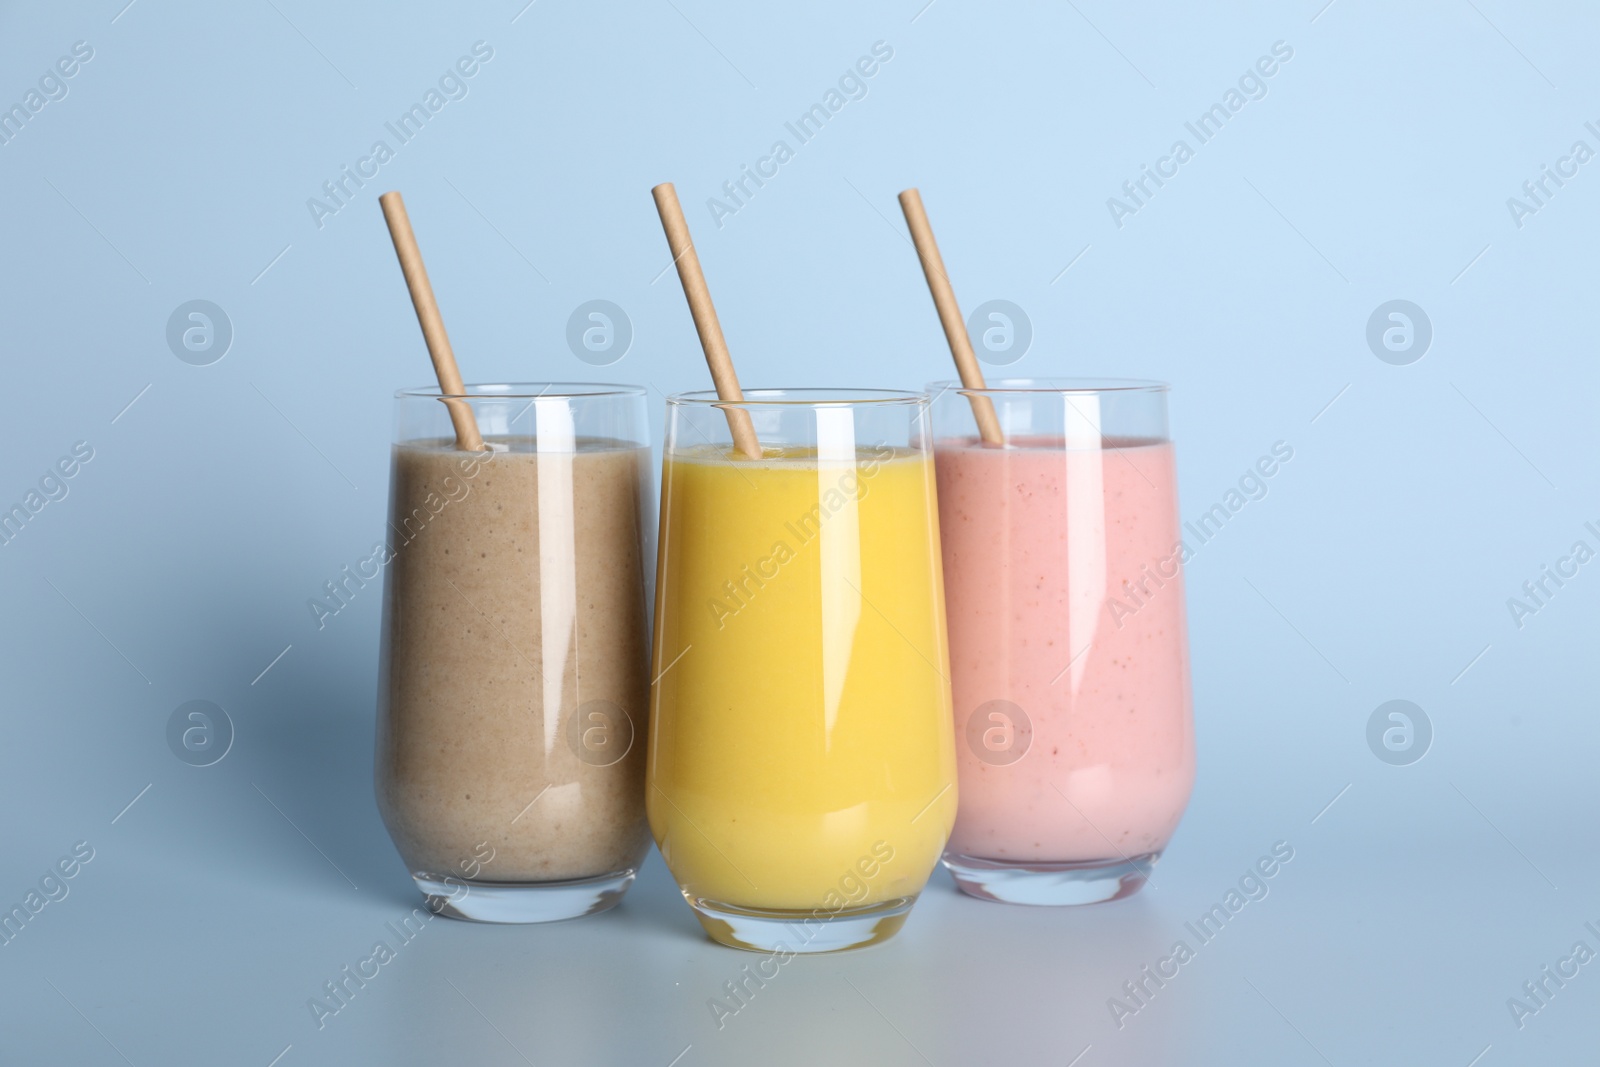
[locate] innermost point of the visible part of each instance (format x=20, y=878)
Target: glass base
x=523, y=902
x=1051, y=884
x=814, y=931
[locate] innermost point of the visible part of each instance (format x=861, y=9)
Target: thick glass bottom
x=800, y=931
x=1050, y=884
x=523, y=902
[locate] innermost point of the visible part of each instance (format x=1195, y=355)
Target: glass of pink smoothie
x=1068, y=648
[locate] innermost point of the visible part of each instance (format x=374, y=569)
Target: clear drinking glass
x=1069, y=650
x=801, y=778
x=515, y=658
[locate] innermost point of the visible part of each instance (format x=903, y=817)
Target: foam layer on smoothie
x=516, y=597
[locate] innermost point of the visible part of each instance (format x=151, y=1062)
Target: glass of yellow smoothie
x=801, y=776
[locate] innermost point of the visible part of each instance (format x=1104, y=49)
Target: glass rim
x=797, y=397
x=1052, y=386
x=522, y=391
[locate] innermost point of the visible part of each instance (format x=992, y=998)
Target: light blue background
x=1377, y=167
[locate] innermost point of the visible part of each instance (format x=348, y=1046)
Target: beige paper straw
x=955, y=328
x=705, y=319
x=438, y=342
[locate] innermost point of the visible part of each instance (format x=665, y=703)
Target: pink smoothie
x=1065, y=597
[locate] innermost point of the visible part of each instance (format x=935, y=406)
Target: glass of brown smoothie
x=514, y=679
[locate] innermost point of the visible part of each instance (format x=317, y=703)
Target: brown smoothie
x=514, y=686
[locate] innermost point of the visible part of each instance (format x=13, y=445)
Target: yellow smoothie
x=801, y=747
